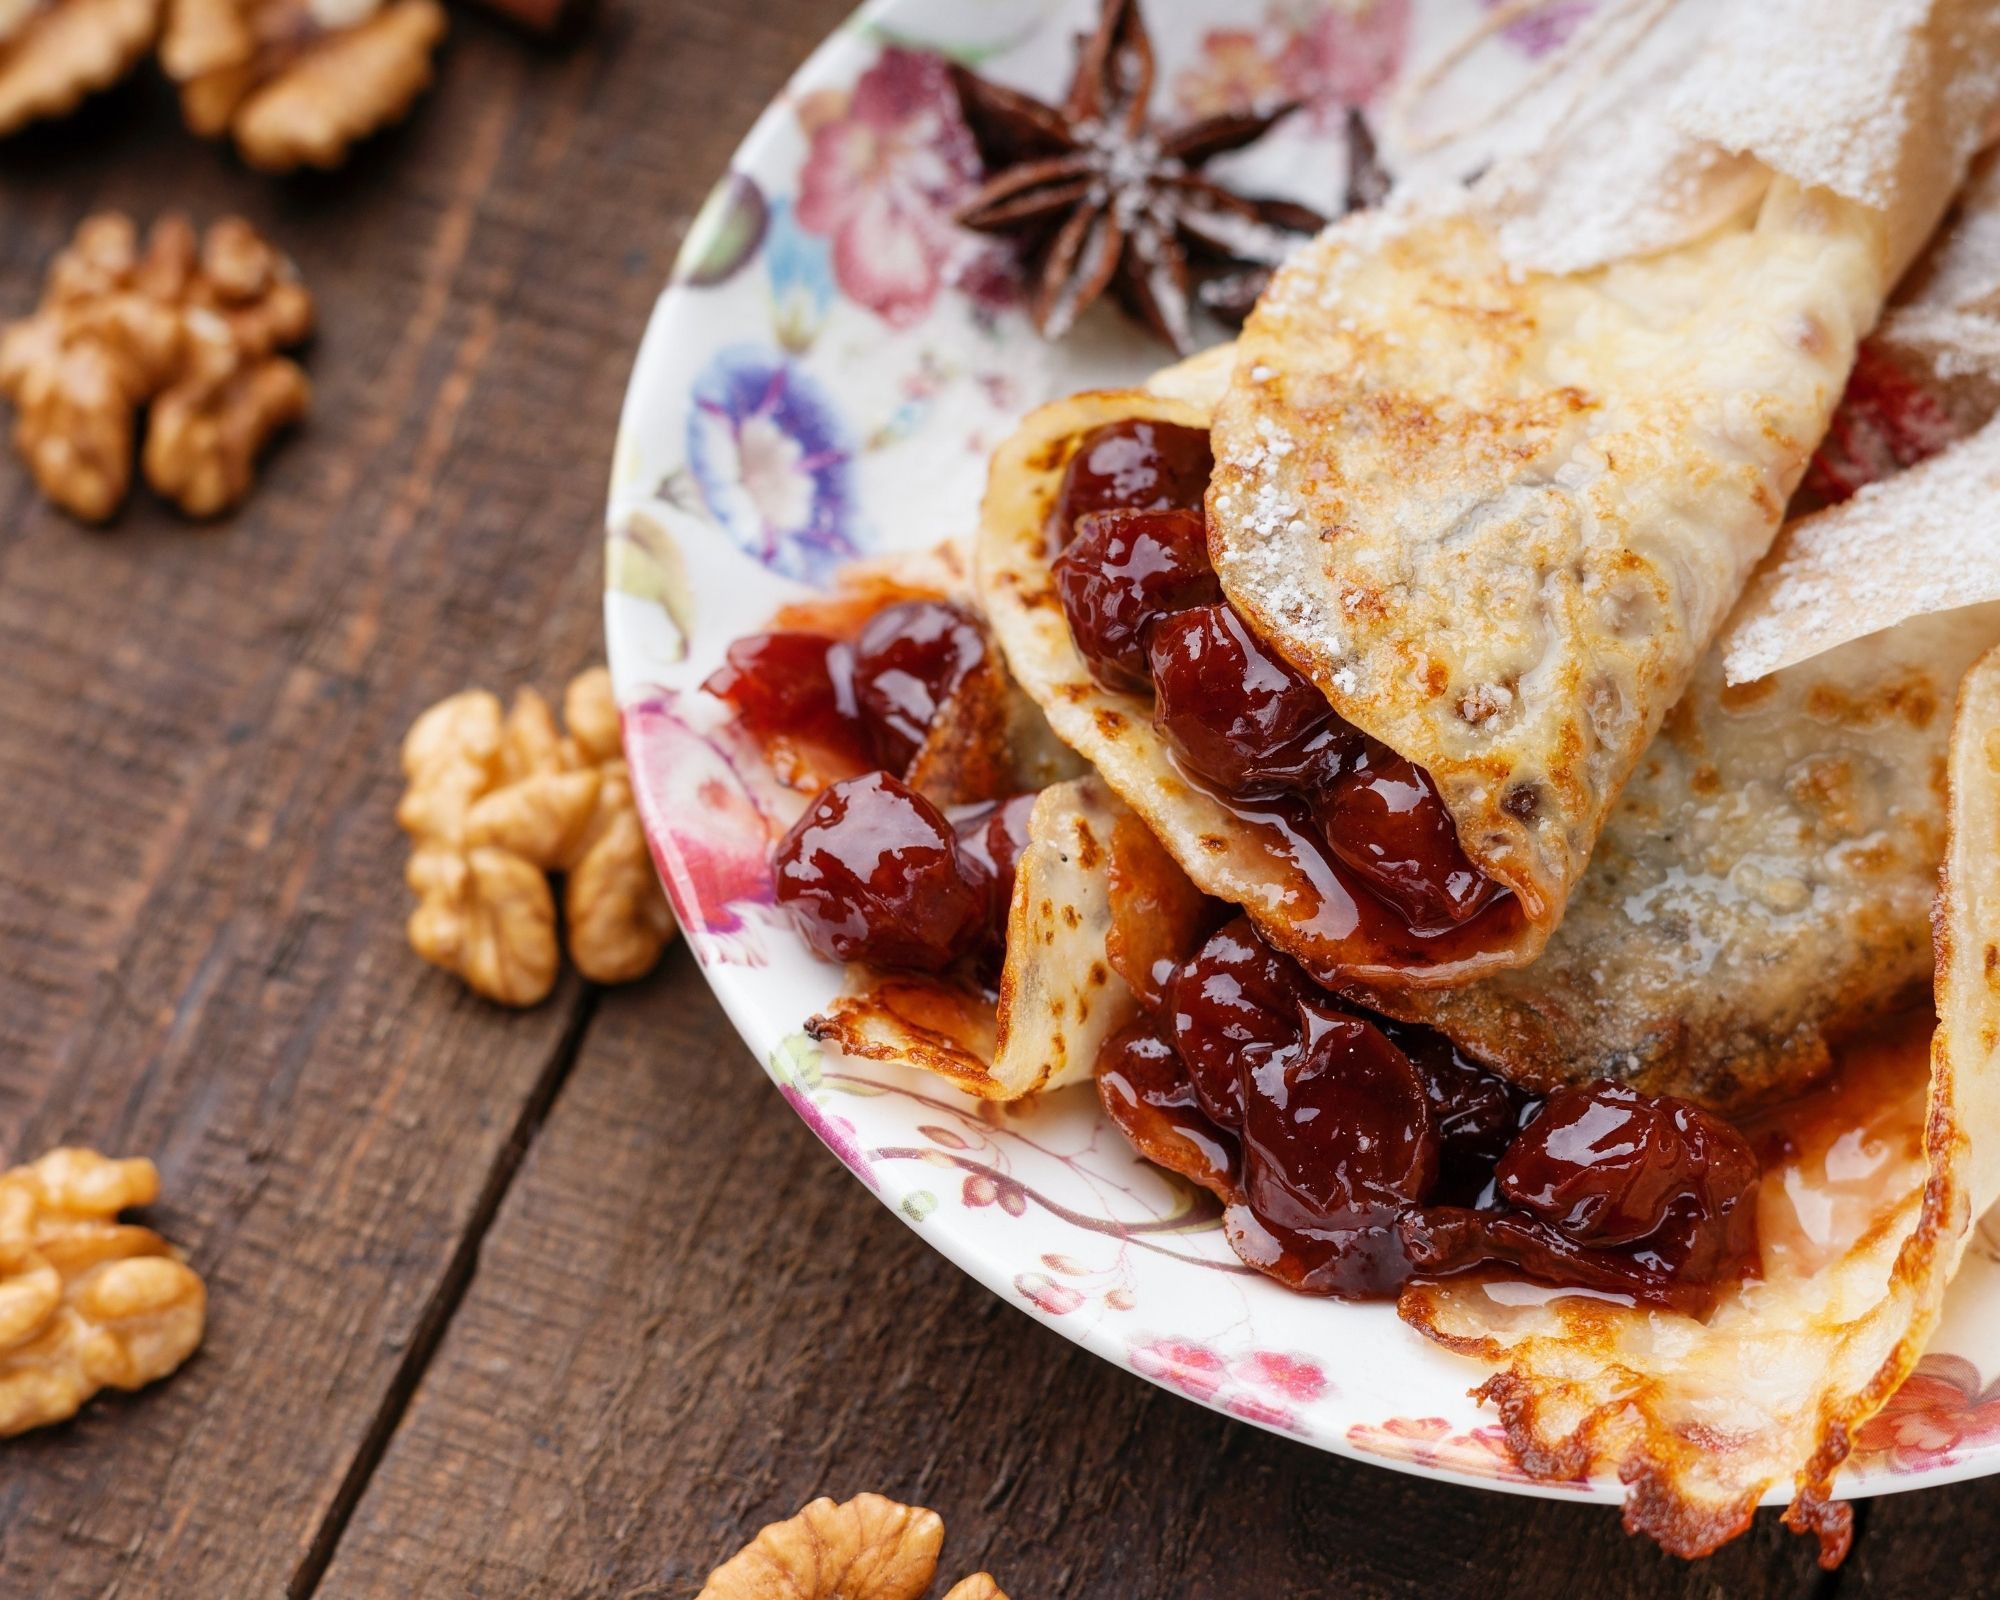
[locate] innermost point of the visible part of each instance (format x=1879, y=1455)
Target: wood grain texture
x=201, y=952
x=564, y=1303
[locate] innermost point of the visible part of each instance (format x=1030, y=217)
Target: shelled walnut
x=495, y=804
x=189, y=324
x=867, y=1548
x=54, y=53
x=86, y=1302
x=297, y=82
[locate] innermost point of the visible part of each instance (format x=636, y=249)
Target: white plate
x=825, y=378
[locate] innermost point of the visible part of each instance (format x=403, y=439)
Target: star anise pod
x=1105, y=200
x=1232, y=294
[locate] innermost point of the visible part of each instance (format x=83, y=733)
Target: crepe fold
x=1863, y=1224
x=1235, y=852
x=1762, y=887
x=1060, y=996
x=1498, y=517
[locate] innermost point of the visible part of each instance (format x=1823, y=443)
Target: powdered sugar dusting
x=1254, y=496
x=1924, y=541
x=1879, y=101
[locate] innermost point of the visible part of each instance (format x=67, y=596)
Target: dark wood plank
x=201, y=954
x=1927, y=1543
x=688, y=1320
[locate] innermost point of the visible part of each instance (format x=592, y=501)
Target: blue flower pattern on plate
x=773, y=463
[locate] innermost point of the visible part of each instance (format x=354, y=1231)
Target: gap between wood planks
x=444, y=1301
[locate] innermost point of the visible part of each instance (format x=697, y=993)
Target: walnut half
x=298, y=82
x=86, y=1302
x=53, y=53
x=190, y=325
x=494, y=805
x=867, y=1548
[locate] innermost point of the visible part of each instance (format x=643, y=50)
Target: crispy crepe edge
x=1962, y=1179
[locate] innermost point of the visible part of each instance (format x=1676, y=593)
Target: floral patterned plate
x=824, y=379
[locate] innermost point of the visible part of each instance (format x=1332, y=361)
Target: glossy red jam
x=797, y=688
x=1132, y=466
x=908, y=659
x=1239, y=715
x=1144, y=608
x=874, y=872
x=1610, y=1189
x=854, y=704
x=1123, y=571
x=1353, y=1153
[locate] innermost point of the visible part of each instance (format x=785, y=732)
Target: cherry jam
x=874, y=872
x=1610, y=1189
x=853, y=704
x=1354, y=1153
x=1145, y=610
x=1124, y=571
x=1134, y=465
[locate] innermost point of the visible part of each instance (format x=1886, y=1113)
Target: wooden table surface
x=562, y=1303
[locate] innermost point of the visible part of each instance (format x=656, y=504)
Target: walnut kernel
x=298, y=82
x=190, y=325
x=86, y=1302
x=867, y=1548
x=53, y=53
x=496, y=803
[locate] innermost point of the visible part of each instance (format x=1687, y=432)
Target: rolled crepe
x=1700, y=1419
x=1498, y=513
x=1762, y=889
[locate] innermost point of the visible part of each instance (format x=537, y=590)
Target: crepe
x=1497, y=508
x=1229, y=853
x=1059, y=997
x=1863, y=1223
x=1497, y=518
x=1828, y=584
x=1761, y=889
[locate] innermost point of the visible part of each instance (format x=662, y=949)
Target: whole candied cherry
x=872, y=872
x=1338, y=1128
x=1229, y=1007
x=1132, y=465
x=1608, y=1188
x=1237, y=713
x=1607, y=1165
x=1386, y=820
x=1123, y=571
x=908, y=660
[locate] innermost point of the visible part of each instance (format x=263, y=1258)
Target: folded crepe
x=1060, y=995
x=1762, y=888
x=1763, y=885
x=1497, y=512
x=1863, y=1220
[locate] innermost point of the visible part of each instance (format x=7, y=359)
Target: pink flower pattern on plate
x=1939, y=1411
x=1430, y=1442
x=1182, y=1364
x=704, y=822
x=1254, y=1386
x=882, y=176
x=1296, y=1377
x=1329, y=56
